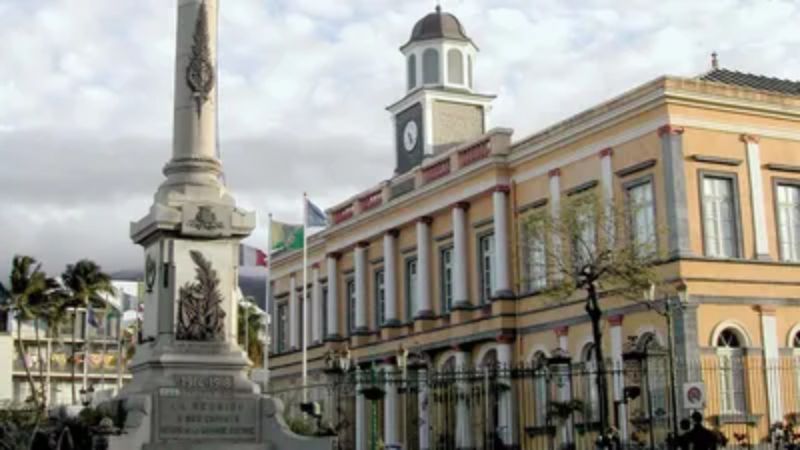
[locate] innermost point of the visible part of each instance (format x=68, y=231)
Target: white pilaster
x=757, y=196
x=391, y=422
x=390, y=277
x=361, y=417
x=501, y=243
x=294, y=319
x=460, y=254
x=424, y=310
x=618, y=380
x=333, y=297
x=360, y=258
x=423, y=405
x=607, y=186
x=316, y=305
x=463, y=426
x=506, y=408
x=565, y=392
x=769, y=337
x=555, y=210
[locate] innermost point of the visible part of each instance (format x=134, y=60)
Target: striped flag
x=251, y=256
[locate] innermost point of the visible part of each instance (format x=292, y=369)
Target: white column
x=316, y=305
x=618, y=379
x=501, y=243
x=390, y=277
x=333, y=297
x=769, y=333
x=361, y=416
x=506, y=414
x=607, y=186
x=294, y=321
x=463, y=428
x=424, y=310
x=423, y=405
x=555, y=211
x=360, y=258
x=565, y=392
x=391, y=423
x=460, y=254
x=757, y=196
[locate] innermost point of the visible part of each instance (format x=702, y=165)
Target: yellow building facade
x=435, y=260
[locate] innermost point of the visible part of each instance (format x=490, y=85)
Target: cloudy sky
x=86, y=87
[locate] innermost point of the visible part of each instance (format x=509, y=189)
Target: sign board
x=694, y=395
x=193, y=416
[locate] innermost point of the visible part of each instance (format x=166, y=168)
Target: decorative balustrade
x=343, y=214
x=370, y=201
x=473, y=154
x=436, y=171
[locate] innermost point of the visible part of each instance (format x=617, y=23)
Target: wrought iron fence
x=557, y=406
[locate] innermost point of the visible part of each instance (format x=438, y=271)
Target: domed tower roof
x=438, y=25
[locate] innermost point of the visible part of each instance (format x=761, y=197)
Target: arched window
x=412, y=71
x=731, y=371
x=590, y=396
x=430, y=66
x=469, y=71
x=540, y=391
x=455, y=66
x=656, y=374
x=795, y=342
x=489, y=360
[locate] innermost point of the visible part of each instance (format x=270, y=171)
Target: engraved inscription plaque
x=185, y=417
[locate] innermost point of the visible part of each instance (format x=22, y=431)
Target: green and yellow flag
x=285, y=236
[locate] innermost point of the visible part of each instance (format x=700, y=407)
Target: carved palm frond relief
x=200, y=313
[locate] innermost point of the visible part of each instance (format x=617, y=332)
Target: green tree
x=23, y=296
x=249, y=329
x=86, y=283
x=592, y=250
x=49, y=307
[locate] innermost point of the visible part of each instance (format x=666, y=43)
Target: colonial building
x=435, y=259
x=99, y=359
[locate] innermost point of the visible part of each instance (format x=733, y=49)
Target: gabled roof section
x=753, y=81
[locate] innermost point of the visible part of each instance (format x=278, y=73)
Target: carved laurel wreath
x=200, y=313
x=200, y=75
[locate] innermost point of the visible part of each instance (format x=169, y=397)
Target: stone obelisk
x=189, y=387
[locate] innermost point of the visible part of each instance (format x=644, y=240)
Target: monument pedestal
x=189, y=387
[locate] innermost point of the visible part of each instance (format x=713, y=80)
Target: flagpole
x=268, y=302
x=305, y=295
x=86, y=347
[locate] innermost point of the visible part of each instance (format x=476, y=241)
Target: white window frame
x=411, y=268
x=350, y=295
x=380, y=297
x=282, y=331
x=487, y=259
x=534, y=255
x=788, y=220
x=733, y=399
x=642, y=210
x=446, y=267
x=713, y=206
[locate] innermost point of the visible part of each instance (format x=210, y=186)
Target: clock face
x=410, y=135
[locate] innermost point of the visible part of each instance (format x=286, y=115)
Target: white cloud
x=85, y=102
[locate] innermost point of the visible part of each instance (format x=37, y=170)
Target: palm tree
x=249, y=328
x=53, y=311
x=86, y=283
x=26, y=286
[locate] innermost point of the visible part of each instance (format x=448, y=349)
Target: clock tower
x=440, y=109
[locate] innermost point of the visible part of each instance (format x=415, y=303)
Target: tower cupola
x=440, y=108
x=439, y=53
